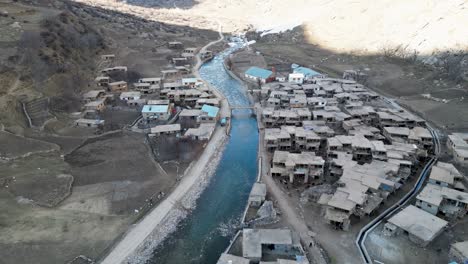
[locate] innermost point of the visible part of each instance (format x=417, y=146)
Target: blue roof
x=155, y=109
x=306, y=71
x=212, y=111
x=259, y=72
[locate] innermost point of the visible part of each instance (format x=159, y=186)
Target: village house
x=156, y=112
x=188, y=118
x=171, y=74
x=108, y=56
x=446, y=175
x=206, y=55
x=296, y=78
x=436, y=199
x=458, y=145
x=206, y=101
x=158, y=102
x=93, y=95
x=189, y=51
x=98, y=105
x=180, y=61
x=305, y=166
x=191, y=82
x=127, y=96
x=259, y=74
x=102, y=81
x=202, y=132
x=152, y=80
x=257, y=243
x=416, y=135
x=175, y=45
x=421, y=227
x=290, y=117
x=120, y=86
x=94, y=123
x=172, y=129
x=308, y=73
x=114, y=69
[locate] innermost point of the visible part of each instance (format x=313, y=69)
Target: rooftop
x=212, y=111
x=155, y=109
x=259, y=72
x=418, y=222
x=435, y=194
x=254, y=238
x=165, y=128
x=231, y=259
x=306, y=71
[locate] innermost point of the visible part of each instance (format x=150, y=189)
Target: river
x=206, y=232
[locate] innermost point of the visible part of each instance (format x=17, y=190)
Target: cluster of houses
x=442, y=200
x=327, y=130
x=173, y=103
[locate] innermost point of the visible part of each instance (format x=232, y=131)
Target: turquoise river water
x=206, y=232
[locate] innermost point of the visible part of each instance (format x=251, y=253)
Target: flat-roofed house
x=175, y=45
x=254, y=240
x=93, y=95
x=449, y=202
x=458, y=145
x=308, y=73
x=98, y=105
x=303, y=165
x=209, y=114
x=421, y=226
x=172, y=129
x=259, y=74
x=102, y=80
x=151, y=80
x=114, y=69
x=127, y=96
x=156, y=112
x=446, y=175
x=120, y=86
x=94, y=123
x=189, y=118
x=171, y=74
x=108, y=56
x=296, y=78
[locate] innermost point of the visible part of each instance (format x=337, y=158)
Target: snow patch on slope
x=278, y=29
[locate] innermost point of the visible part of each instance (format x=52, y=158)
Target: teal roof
x=155, y=109
x=212, y=111
x=259, y=72
x=306, y=71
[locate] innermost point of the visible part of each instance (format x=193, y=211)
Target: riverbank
x=138, y=243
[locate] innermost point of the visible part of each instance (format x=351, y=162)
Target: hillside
x=346, y=25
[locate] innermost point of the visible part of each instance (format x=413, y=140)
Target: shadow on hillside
x=167, y=4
